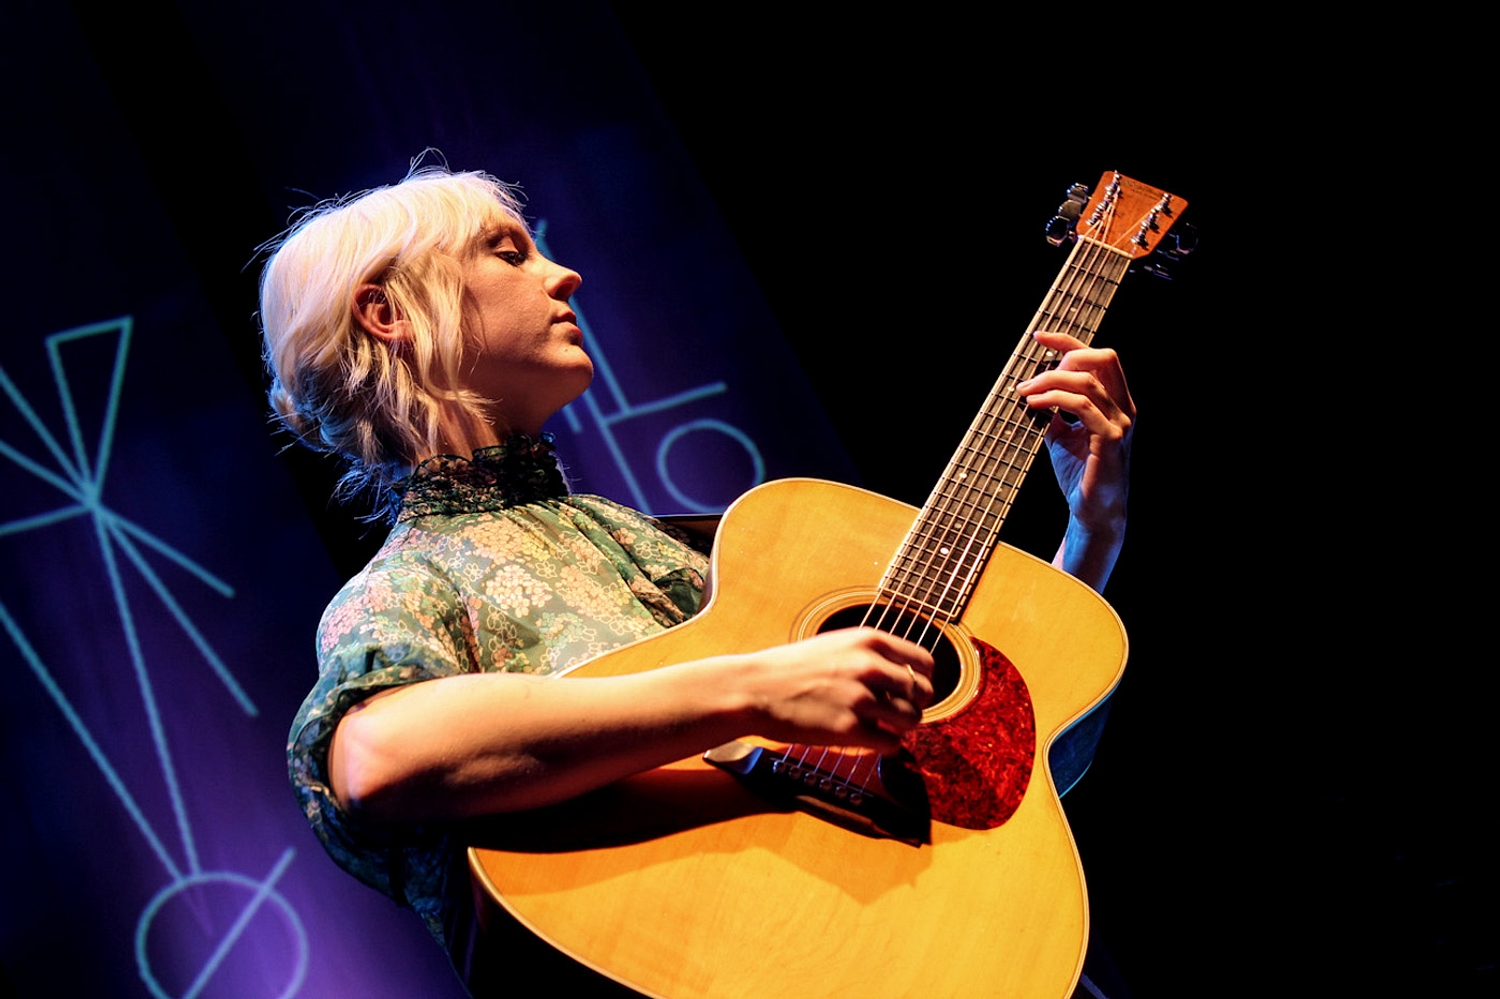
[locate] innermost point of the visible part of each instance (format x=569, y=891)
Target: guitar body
x=681, y=883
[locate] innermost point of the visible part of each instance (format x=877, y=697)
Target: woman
x=418, y=323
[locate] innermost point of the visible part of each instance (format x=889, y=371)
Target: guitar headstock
x=1127, y=215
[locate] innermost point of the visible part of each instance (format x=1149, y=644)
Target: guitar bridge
x=890, y=803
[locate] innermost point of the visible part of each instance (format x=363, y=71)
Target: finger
x=890, y=713
x=902, y=652
x=1098, y=424
x=1103, y=361
x=1081, y=394
x=1057, y=341
x=896, y=694
x=892, y=669
x=1101, y=364
x=1104, y=366
x=1082, y=384
x=917, y=689
x=872, y=736
x=906, y=674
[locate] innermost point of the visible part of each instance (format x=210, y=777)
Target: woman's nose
x=563, y=282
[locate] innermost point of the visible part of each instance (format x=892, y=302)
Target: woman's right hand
x=854, y=687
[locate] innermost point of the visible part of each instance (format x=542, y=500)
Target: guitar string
x=993, y=465
x=997, y=472
x=976, y=468
x=1072, y=306
x=987, y=494
x=1001, y=408
x=970, y=474
x=1075, y=305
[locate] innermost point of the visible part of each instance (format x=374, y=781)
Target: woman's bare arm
x=477, y=744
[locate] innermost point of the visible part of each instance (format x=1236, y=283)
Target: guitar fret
x=931, y=579
x=1092, y=301
x=915, y=602
x=949, y=527
x=942, y=594
x=933, y=582
x=965, y=510
x=940, y=581
x=947, y=535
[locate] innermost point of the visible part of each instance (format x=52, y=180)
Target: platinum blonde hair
x=334, y=385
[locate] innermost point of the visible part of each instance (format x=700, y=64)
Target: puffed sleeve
x=395, y=623
x=662, y=570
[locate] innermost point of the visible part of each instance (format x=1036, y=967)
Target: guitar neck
x=944, y=555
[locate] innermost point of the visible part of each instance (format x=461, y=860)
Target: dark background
x=840, y=217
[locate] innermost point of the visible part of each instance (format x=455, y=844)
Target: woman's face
x=523, y=348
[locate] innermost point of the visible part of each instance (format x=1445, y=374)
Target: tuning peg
x=1060, y=228
x=1155, y=268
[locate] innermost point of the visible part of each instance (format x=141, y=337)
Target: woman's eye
x=513, y=257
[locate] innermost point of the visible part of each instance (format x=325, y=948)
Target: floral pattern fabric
x=492, y=566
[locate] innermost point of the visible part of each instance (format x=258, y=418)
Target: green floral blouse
x=492, y=566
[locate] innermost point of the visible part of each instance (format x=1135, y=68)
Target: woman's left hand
x=1091, y=457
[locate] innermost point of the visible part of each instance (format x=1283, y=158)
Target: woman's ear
x=374, y=314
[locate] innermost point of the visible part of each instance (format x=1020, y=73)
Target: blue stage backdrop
x=162, y=576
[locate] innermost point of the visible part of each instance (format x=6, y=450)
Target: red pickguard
x=977, y=764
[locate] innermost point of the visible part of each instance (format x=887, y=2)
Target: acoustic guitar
x=772, y=871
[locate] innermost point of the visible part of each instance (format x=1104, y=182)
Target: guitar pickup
x=890, y=805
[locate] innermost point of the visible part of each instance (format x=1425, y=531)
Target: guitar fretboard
x=941, y=559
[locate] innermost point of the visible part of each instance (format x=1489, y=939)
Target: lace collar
x=521, y=470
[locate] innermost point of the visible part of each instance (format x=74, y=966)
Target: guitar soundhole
x=915, y=627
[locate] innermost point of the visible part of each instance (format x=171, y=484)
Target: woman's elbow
x=364, y=768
